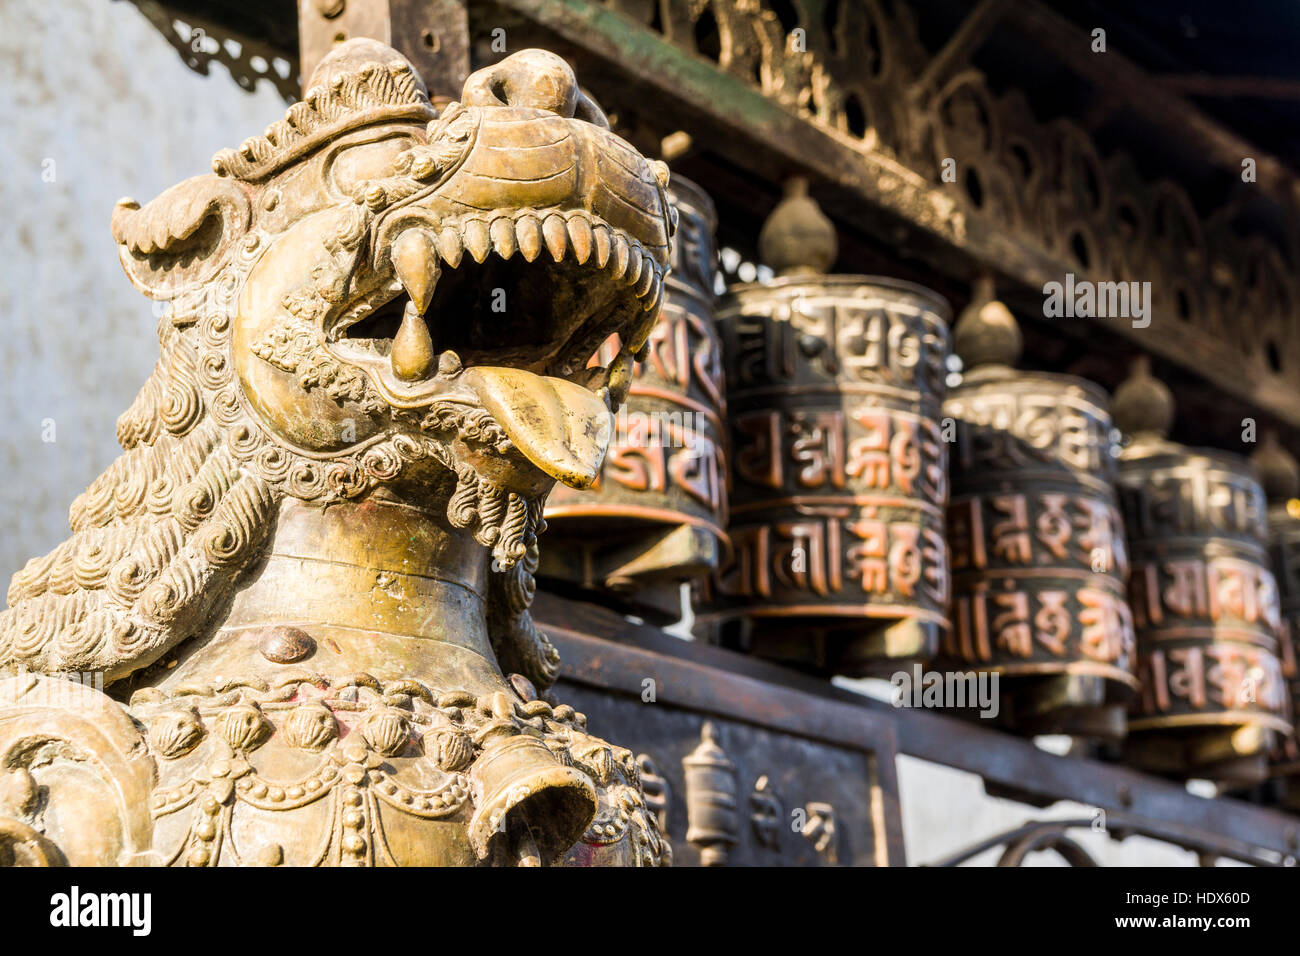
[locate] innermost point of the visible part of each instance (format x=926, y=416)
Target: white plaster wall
x=93, y=95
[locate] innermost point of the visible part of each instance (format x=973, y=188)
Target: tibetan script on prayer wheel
x=655, y=516
x=835, y=387
x=1038, y=558
x=1205, y=609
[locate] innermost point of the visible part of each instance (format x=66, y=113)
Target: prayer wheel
x=1205, y=603
x=1280, y=476
x=1038, y=560
x=655, y=516
x=835, y=388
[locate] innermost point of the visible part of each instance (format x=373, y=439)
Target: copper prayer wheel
x=655, y=516
x=1204, y=601
x=835, y=388
x=1038, y=559
x=1280, y=476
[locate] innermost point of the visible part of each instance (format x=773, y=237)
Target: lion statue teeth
x=310, y=571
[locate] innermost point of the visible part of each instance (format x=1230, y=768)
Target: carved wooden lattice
x=859, y=71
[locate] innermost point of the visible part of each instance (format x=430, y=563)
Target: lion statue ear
x=182, y=238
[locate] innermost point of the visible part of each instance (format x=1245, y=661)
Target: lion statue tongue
x=561, y=427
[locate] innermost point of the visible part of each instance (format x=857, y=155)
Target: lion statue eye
x=355, y=164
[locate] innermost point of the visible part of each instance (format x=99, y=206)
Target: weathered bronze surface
x=311, y=569
x=834, y=391
x=432, y=35
x=1205, y=604
x=875, y=114
x=655, y=516
x=1038, y=558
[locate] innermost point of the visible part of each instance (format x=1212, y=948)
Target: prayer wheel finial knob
x=1143, y=405
x=797, y=238
x=986, y=332
x=1279, y=472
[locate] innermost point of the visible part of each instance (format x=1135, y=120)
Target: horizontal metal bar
x=1122, y=825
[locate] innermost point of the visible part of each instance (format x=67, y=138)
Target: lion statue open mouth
x=377, y=303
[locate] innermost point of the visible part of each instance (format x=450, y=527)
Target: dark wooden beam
x=1257, y=87
x=959, y=48
x=432, y=34
x=1164, y=109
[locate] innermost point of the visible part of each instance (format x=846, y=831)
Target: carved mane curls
x=157, y=539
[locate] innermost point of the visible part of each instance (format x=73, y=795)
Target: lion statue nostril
x=536, y=79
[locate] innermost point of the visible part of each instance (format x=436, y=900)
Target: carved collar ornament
x=312, y=565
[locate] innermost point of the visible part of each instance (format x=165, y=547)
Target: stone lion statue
x=291, y=624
